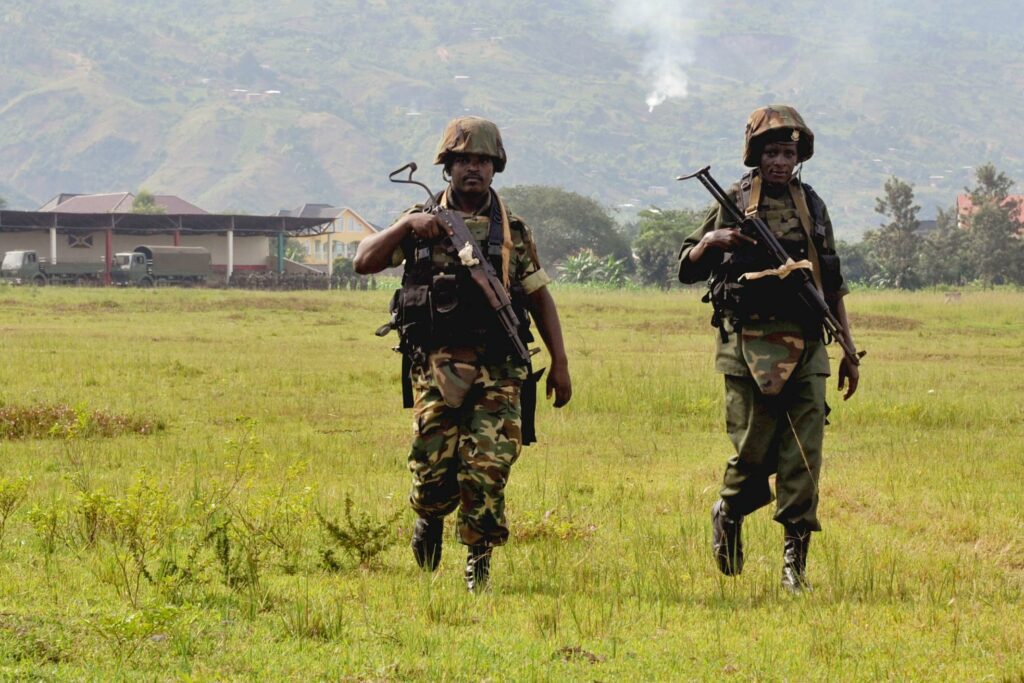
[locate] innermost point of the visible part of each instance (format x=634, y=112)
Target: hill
x=255, y=106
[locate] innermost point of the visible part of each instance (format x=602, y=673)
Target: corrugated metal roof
x=176, y=205
x=116, y=202
x=138, y=223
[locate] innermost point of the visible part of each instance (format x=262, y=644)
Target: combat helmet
x=776, y=123
x=472, y=135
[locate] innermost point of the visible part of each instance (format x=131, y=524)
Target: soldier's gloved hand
x=424, y=226
x=849, y=377
x=559, y=383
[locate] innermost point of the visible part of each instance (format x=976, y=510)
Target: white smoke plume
x=668, y=29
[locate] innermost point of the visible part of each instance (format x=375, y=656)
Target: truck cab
x=130, y=268
x=20, y=267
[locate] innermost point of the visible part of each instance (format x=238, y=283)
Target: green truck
x=145, y=267
x=25, y=267
x=151, y=265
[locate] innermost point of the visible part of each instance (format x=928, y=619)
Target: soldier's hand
x=718, y=241
x=726, y=239
x=560, y=384
x=849, y=377
x=425, y=226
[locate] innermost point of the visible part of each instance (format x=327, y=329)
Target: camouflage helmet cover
x=776, y=123
x=472, y=135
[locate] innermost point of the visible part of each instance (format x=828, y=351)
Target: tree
x=565, y=222
x=894, y=247
x=3, y=203
x=992, y=183
x=858, y=265
x=656, y=247
x=993, y=248
x=145, y=202
x=943, y=259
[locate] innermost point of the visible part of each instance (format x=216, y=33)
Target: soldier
x=473, y=402
x=769, y=347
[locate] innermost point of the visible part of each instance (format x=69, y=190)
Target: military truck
x=25, y=267
x=145, y=267
x=151, y=265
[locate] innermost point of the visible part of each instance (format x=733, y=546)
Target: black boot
x=478, y=567
x=794, y=558
x=427, y=535
x=726, y=539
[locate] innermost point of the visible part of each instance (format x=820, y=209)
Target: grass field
x=193, y=550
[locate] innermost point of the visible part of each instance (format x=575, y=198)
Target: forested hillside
x=247, y=105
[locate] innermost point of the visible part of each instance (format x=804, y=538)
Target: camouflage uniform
x=461, y=456
x=775, y=367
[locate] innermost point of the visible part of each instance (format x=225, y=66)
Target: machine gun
x=470, y=256
x=753, y=226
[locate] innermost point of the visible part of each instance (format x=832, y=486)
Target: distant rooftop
x=326, y=211
x=965, y=208
x=313, y=211
x=117, y=202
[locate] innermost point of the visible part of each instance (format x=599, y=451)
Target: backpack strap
x=750, y=193
x=496, y=238
x=796, y=191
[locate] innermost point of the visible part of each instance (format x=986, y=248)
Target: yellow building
x=347, y=230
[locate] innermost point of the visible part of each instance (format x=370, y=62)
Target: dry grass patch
x=42, y=421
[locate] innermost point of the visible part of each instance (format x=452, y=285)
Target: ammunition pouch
x=438, y=306
x=741, y=301
x=452, y=311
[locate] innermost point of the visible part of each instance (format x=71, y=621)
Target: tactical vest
x=440, y=305
x=739, y=302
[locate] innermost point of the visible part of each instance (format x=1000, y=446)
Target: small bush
x=362, y=536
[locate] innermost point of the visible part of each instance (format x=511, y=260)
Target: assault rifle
x=753, y=226
x=480, y=268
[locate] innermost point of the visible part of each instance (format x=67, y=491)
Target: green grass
x=277, y=406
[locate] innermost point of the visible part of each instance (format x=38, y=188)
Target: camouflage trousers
x=461, y=457
x=780, y=435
